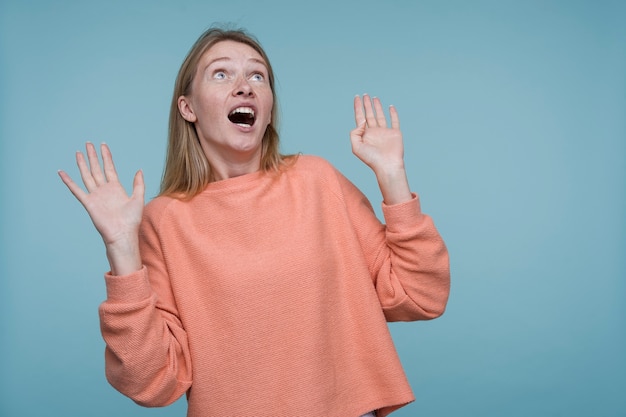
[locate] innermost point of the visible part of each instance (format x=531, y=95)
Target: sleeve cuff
x=398, y=217
x=128, y=288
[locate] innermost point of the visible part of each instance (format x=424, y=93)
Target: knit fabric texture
x=268, y=295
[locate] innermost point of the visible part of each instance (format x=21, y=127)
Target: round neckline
x=234, y=182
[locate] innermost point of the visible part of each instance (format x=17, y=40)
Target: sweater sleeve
x=407, y=258
x=147, y=355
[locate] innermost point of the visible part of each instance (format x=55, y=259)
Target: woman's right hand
x=115, y=214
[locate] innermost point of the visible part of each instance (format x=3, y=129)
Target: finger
x=359, y=116
x=395, y=120
x=73, y=187
x=107, y=160
x=380, y=113
x=369, y=111
x=85, y=173
x=94, y=164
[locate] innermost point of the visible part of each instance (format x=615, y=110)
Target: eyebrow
x=225, y=58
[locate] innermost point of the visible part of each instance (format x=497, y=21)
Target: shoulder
x=157, y=207
x=315, y=170
x=314, y=165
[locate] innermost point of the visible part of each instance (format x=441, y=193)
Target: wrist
x=394, y=184
x=123, y=255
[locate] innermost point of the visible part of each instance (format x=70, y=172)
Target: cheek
x=270, y=107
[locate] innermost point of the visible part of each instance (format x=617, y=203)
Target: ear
x=185, y=109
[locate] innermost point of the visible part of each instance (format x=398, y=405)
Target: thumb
x=139, y=187
x=359, y=131
x=356, y=138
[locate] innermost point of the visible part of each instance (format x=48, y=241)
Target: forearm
x=407, y=257
x=147, y=356
x=416, y=265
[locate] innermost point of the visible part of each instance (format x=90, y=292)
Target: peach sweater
x=268, y=295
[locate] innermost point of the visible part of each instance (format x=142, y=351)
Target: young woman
x=260, y=284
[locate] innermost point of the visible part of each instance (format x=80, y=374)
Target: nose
x=243, y=88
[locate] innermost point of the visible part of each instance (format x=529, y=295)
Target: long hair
x=187, y=171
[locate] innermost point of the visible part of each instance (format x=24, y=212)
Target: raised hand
x=115, y=214
x=381, y=147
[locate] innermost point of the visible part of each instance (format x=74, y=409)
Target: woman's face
x=230, y=103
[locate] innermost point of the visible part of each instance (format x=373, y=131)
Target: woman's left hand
x=380, y=147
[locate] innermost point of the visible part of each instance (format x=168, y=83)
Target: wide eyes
x=257, y=77
x=219, y=75
x=223, y=75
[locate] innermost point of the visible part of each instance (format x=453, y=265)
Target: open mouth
x=242, y=116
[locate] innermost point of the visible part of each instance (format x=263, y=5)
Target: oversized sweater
x=268, y=294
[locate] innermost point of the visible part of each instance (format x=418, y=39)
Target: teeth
x=246, y=110
x=242, y=116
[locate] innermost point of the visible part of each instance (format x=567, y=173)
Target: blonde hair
x=187, y=171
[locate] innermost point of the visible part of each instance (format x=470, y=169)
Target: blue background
x=514, y=116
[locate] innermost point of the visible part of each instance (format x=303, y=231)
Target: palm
x=115, y=214
x=376, y=144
